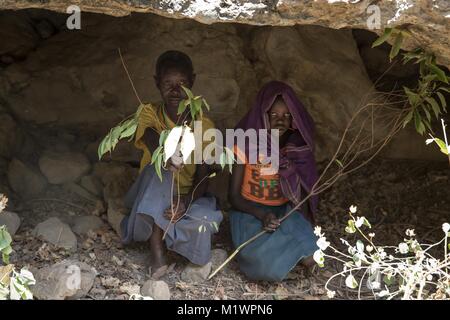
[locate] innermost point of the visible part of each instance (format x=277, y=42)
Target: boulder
x=116, y=213
x=69, y=279
x=158, y=290
x=11, y=220
x=25, y=180
x=57, y=233
x=63, y=167
x=92, y=184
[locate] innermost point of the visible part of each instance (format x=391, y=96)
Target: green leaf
x=182, y=106
x=387, y=33
x=129, y=132
x=157, y=153
x=443, y=101
x=388, y=280
x=158, y=167
x=339, y=163
x=163, y=136
x=420, y=128
x=350, y=227
x=206, y=104
x=441, y=145
x=427, y=113
x=188, y=92
x=396, y=46
x=408, y=118
x=366, y=222
x=439, y=72
x=5, y=238
x=5, y=258
x=413, y=97
x=434, y=105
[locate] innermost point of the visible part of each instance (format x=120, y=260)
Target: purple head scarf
x=297, y=164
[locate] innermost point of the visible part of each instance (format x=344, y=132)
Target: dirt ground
x=393, y=195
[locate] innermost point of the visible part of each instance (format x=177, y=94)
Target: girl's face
x=279, y=116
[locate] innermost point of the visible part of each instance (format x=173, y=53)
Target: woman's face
x=169, y=85
x=279, y=116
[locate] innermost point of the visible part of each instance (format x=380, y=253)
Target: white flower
x=429, y=277
x=331, y=294
x=369, y=248
x=318, y=231
x=383, y=293
x=322, y=243
x=351, y=282
x=359, y=222
x=383, y=254
x=446, y=227
x=403, y=248
x=319, y=257
x=428, y=141
x=353, y=209
x=375, y=285
x=371, y=234
x=410, y=232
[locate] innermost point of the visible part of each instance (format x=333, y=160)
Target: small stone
x=24, y=180
x=158, y=290
x=82, y=225
x=11, y=220
x=99, y=208
x=218, y=256
x=130, y=288
x=194, y=273
x=116, y=213
x=63, y=167
x=75, y=188
x=110, y=282
x=69, y=279
x=57, y=233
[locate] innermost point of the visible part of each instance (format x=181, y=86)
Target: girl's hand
x=270, y=222
x=175, y=163
x=177, y=213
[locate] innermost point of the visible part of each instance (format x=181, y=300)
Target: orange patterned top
x=260, y=183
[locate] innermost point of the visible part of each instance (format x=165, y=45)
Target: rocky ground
x=61, y=229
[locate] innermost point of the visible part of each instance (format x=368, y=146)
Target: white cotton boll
x=403, y=248
x=187, y=143
x=322, y=243
x=171, y=143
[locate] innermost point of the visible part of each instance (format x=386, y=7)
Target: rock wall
x=61, y=90
x=428, y=21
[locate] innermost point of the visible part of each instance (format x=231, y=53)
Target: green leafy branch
x=427, y=97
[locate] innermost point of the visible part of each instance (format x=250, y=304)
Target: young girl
x=260, y=197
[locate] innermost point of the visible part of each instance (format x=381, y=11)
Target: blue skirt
x=190, y=237
x=272, y=255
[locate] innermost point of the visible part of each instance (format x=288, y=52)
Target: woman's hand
x=270, y=222
x=175, y=163
x=177, y=213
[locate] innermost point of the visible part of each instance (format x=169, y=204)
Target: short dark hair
x=173, y=59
